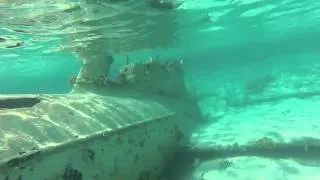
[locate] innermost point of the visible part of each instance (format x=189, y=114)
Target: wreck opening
x=20, y=102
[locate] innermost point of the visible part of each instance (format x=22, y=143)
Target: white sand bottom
x=286, y=121
x=256, y=168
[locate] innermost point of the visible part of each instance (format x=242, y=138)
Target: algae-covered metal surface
x=113, y=130
x=62, y=118
x=70, y=131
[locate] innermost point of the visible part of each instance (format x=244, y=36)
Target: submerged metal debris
x=22, y=102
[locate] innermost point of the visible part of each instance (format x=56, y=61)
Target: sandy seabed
x=284, y=121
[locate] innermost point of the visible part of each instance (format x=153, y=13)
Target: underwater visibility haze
x=235, y=82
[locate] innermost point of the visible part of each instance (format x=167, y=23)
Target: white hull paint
x=91, y=137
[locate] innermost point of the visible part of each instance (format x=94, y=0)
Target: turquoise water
x=203, y=32
x=240, y=56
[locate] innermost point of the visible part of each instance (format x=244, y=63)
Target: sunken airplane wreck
x=140, y=119
x=187, y=160
x=144, y=118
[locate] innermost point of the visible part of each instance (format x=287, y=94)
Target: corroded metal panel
x=86, y=136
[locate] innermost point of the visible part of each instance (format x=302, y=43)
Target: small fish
x=215, y=165
x=224, y=164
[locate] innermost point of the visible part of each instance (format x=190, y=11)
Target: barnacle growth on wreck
x=149, y=76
